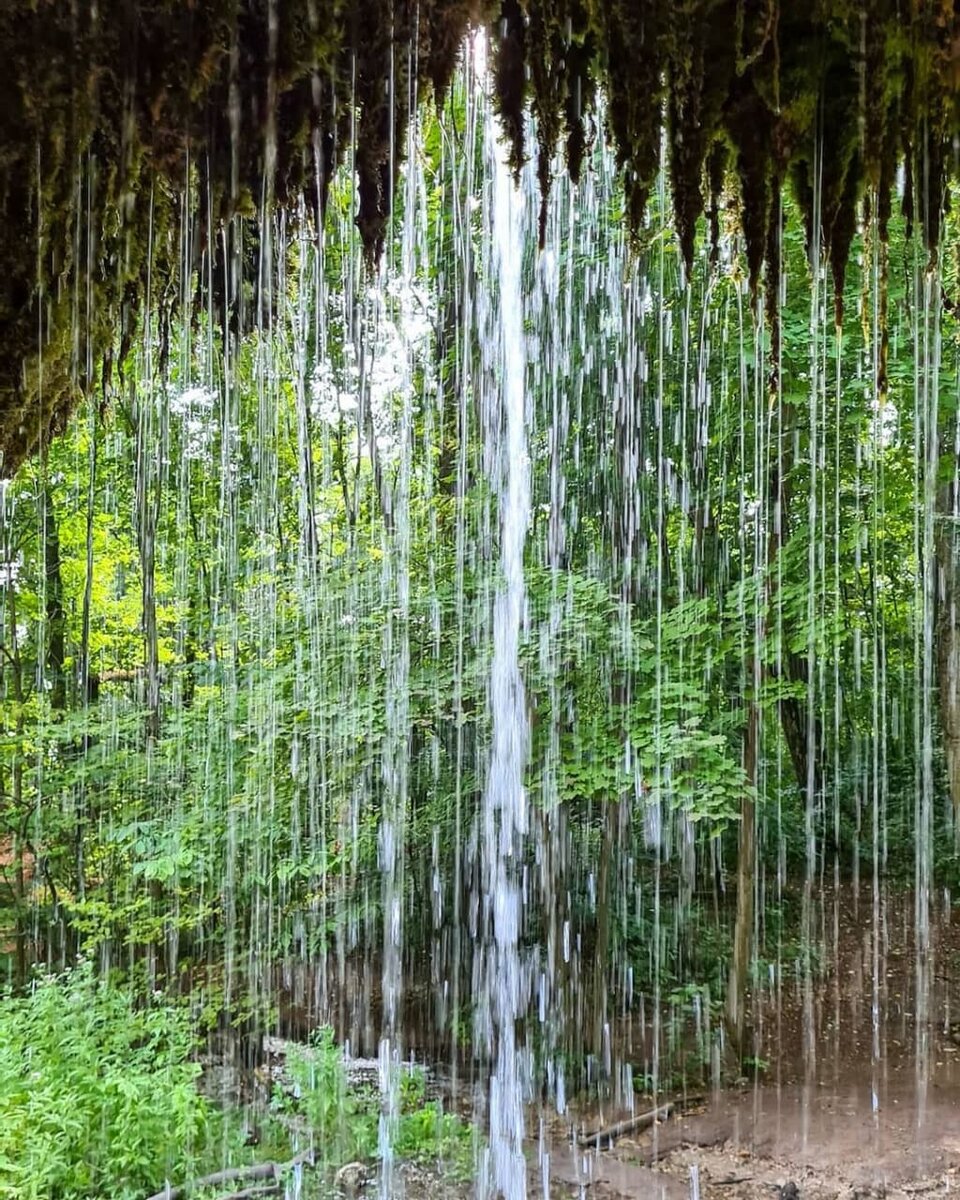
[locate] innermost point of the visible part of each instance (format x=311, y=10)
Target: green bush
x=430, y=1136
x=97, y=1096
x=344, y=1120
x=343, y=1123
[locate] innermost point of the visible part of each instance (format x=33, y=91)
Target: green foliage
x=344, y=1127
x=98, y=1096
x=431, y=1137
x=323, y=616
x=343, y=1120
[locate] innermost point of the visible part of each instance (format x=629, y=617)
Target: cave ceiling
x=111, y=110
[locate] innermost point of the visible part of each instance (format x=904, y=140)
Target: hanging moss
x=547, y=43
x=581, y=89
x=107, y=111
x=696, y=93
x=751, y=128
x=510, y=75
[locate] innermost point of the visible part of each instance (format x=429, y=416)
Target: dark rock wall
x=109, y=107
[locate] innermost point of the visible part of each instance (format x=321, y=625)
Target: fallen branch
x=636, y=1124
x=631, y=1125
x=273, y=1171
x=270, y=1189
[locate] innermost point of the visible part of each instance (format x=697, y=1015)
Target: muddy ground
x=857, y=1093
x=744, y=1147
x=860, y=1093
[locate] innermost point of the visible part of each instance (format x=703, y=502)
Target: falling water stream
x=504, y=815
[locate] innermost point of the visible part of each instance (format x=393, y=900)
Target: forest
x=480, y=674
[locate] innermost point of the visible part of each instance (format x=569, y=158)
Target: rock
x=352, y=1178
x=789, y=1191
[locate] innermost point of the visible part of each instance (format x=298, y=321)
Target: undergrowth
x=99, y=1098
x=344, y=1118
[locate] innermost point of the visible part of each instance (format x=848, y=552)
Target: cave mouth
x=121, y=121
x=479, y=568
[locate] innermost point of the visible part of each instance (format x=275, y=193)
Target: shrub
x=97, y=1096
x=344, y=1120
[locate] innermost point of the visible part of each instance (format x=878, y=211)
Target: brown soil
x=861, y=1098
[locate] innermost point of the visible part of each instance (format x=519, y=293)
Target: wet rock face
x=126, y=123
x=120, y=121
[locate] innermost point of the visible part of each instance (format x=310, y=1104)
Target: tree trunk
x=22, y=930
x=948, y=639
x=86, y=680
x=147, y=505
x=608, y=855
x=56, y=624
x=781, y=417
x=150, y=641
x=746, y=856
x=794, y=723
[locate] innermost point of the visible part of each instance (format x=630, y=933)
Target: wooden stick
x=269, y=1170
x=631, y=1125
x=635, y=1124
x=269, y=1189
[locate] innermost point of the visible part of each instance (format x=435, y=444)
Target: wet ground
x=859, y=1095
x=856, y=1096
x=748, y=1146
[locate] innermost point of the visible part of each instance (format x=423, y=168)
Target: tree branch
x=634, y=1124
x=272, y=1171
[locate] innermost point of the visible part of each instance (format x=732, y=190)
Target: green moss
x=103, y=108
